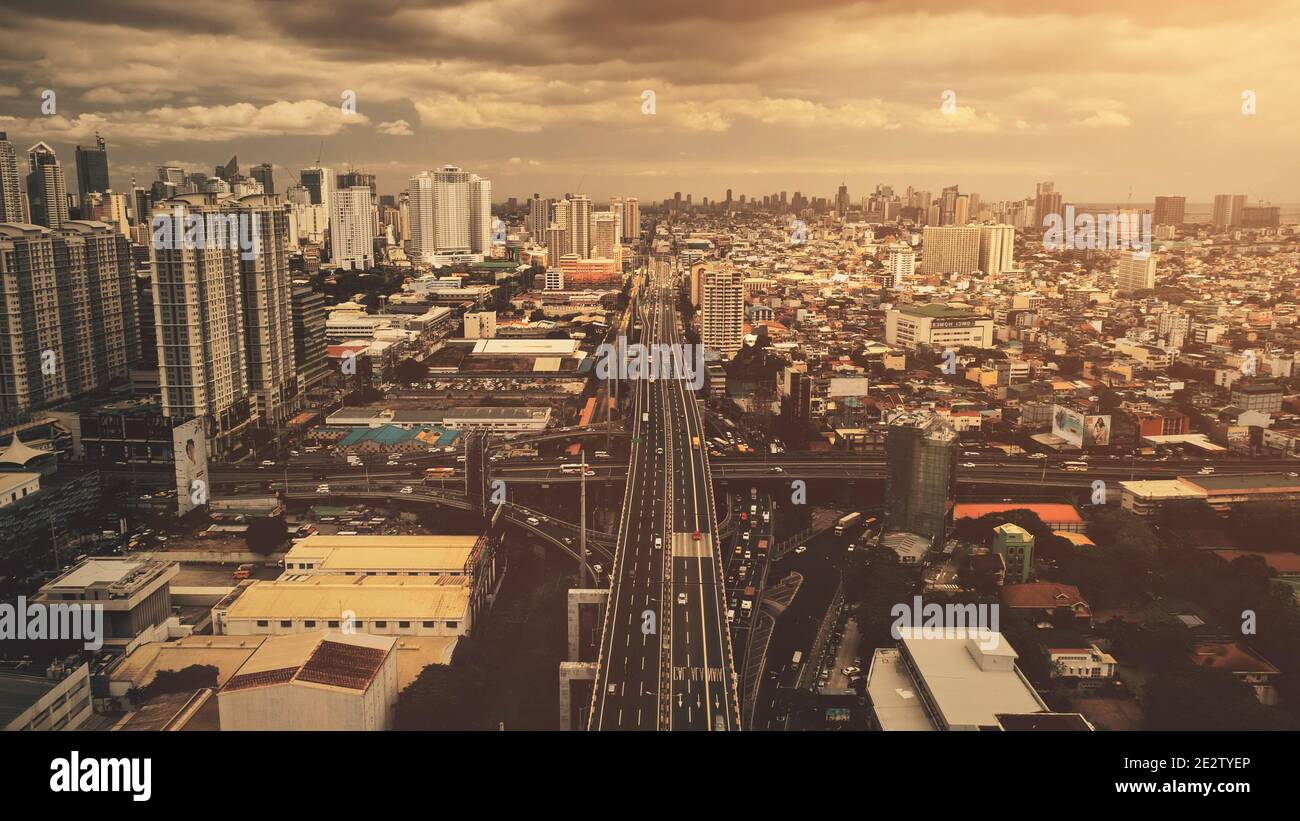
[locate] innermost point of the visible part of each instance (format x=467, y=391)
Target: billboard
x=1096, y=430
x=190, y=453
x=1068, y=424
x=847, y=386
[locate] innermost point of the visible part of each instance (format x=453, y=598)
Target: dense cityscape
x=299, y=437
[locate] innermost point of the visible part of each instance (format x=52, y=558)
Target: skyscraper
x=901, y=266
x=722, y=312
x=480, y=215
x=11, y=193
x=352, y=235
x=631, y=219
x=1169, y=211
x=1228, y=210
x=951, y=249
x=1135, y=271
x=92, y=173
x=539, y=217
x=578, y=224
x=264, y=174
x=1046, y=201
x=67, y=303
x=268, y=316
x=47, y=192
x=317, y=181
x=199, y=311
x=440, y=213
x=310, y=357
x=921, y=474
x=997, y=245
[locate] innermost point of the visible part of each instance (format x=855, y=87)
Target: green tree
x=265, y=534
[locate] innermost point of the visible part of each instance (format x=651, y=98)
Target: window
x=451, y=625
x=428, y=624
x=262, y=622
x=403, y=624
x=381, y=624
x=286, y=622
x=309, y=623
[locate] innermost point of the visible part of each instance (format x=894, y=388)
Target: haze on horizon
x=1111, y=101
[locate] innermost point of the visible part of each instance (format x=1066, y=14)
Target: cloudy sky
x=1110, y=98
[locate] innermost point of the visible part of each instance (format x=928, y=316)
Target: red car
x=696, y=535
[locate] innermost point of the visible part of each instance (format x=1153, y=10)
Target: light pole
x=582, y=520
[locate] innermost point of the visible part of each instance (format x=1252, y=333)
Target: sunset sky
x=1108, y=99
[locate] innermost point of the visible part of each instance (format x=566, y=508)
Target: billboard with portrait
x=1096, y=431
x=190, y=452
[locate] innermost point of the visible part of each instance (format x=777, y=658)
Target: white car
x=323, y=489
x=407, y=491
x=968, y=464
x=801, y=549
x=532, y=520
x=1038, y=456
x=681, y=598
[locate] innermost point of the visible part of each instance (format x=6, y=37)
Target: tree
x=265, y=534
x=1198, y=698
x=410, y=370
x=194, y=677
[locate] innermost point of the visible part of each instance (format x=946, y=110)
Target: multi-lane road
x=665, y=659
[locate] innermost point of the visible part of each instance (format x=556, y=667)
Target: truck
x=846, y=522
x=645, y=417
x=695, y=442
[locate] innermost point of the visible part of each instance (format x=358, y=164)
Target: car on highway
x=778, y=469
x=696, y=535
x=322, y=489
x=659, y=542
x=1038, y=456
x=969, y=464
x=407, y=491
x=681, y=598
x=1205, y=471
x=801, y=549
x=533, y=520
x=267, y=463
x=659, y=450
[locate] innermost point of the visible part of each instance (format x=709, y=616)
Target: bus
x=1076, y=466
x=846, y=522
x=571, y=467
x=695, y=442
x=435, y=474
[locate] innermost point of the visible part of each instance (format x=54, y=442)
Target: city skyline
x=561, y=108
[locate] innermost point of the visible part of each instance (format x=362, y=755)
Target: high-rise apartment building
x=1046, y=202
x=352, y=228
x=199, y=320
x=1169, y=211
x=539, y=217
x=268, y=312
x=950, y=249
x=1228, y=210
x=578, y=224
x=606, y=240
x=921, y=475
x=92, y=173
x=997, y=247
x=47, y=192
x=67, y=304
x=722, y=312
x=631, y=219
x=440, y=212
x=11, y=191
x=1135, y=271
x=480, y=215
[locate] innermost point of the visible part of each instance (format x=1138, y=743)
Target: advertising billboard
x=190, y=452
x=1096, y=430
x=1068, y=424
